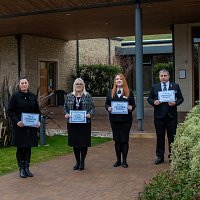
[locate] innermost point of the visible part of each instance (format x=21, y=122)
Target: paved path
x=55, y=179
x=100, y=122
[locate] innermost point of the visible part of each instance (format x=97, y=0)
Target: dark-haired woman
x=23, y=137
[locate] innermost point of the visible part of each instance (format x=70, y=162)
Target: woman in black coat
x=120, y=123
x=23, y=137
x=79, y=134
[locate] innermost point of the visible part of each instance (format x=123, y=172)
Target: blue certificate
x=119, y=107
x=30, y=119
x=77, y=116
x=166, y=96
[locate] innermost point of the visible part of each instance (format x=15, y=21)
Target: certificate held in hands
x=77, y=116
x=30, y=119
x=166, y=96
x=119, y=107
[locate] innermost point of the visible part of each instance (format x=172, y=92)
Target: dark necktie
x=119, y=91
x=164, y=87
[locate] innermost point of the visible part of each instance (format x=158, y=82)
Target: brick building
x=49, y=63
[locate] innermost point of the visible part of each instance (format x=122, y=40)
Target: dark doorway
x=48, y=78
x=196, y=62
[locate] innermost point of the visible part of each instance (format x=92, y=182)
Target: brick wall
x=94, y=51
x=8, y=58
x=36, y=49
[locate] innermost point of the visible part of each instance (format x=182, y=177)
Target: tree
x=98, y=77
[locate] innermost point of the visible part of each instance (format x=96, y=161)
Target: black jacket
x=160, y=111
x=26, y=103
x=120, y=117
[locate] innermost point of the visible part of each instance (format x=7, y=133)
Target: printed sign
x=119, y=107
x=77, y=116
x=166, y=96
x=30, y=119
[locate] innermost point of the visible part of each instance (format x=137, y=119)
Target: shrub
x=182, y=181
x=185, y=155
x=98, y=77
x=167, y=185
x=5, y=125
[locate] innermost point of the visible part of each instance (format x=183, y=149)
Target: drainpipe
x=139, y=65
x=173, y=46
x=77, y=59
x=18, y=37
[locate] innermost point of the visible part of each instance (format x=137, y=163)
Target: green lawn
x=150, y=37
x=56, y=146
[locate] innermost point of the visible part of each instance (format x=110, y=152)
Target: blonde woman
x=120, y=123
x=79, y=134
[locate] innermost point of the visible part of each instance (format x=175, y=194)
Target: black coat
x=26, y=103
x=120, y=117
x=160, y=111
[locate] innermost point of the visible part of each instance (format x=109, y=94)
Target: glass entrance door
x=196, y=64
x=48, y=78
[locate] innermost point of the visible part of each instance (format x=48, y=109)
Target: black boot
x=21, y=163
x=22, y=172
x=76, y=166
x=27, y=162
x=81, y=166
x=27, y=171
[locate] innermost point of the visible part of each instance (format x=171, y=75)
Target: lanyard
x=78, y=100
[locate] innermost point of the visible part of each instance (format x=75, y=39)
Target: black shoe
x=124, y=164
x=81, y=166
x=159, y=160
x=117, y=164
x=22, y=173
x=76, y=166
x=28, y=173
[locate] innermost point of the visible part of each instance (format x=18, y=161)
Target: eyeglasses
x=78, y=84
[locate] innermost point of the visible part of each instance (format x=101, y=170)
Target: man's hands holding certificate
x=158, y=102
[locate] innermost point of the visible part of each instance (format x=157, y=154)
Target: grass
x=56, y=146
x=150, y=37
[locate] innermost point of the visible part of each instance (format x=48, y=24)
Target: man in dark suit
x=165, y=112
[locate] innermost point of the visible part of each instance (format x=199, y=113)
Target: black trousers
x=161, y=125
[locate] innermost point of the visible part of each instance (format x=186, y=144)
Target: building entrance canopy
x=69, y=20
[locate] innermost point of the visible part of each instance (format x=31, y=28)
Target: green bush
x=182, y=181
x=98, y=77
x=167, y=185
x=185, y=155
x=157, y=67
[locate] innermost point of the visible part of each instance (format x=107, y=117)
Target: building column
x=139, y=65
x=18, y=38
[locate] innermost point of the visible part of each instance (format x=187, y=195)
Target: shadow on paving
x=55, y=179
